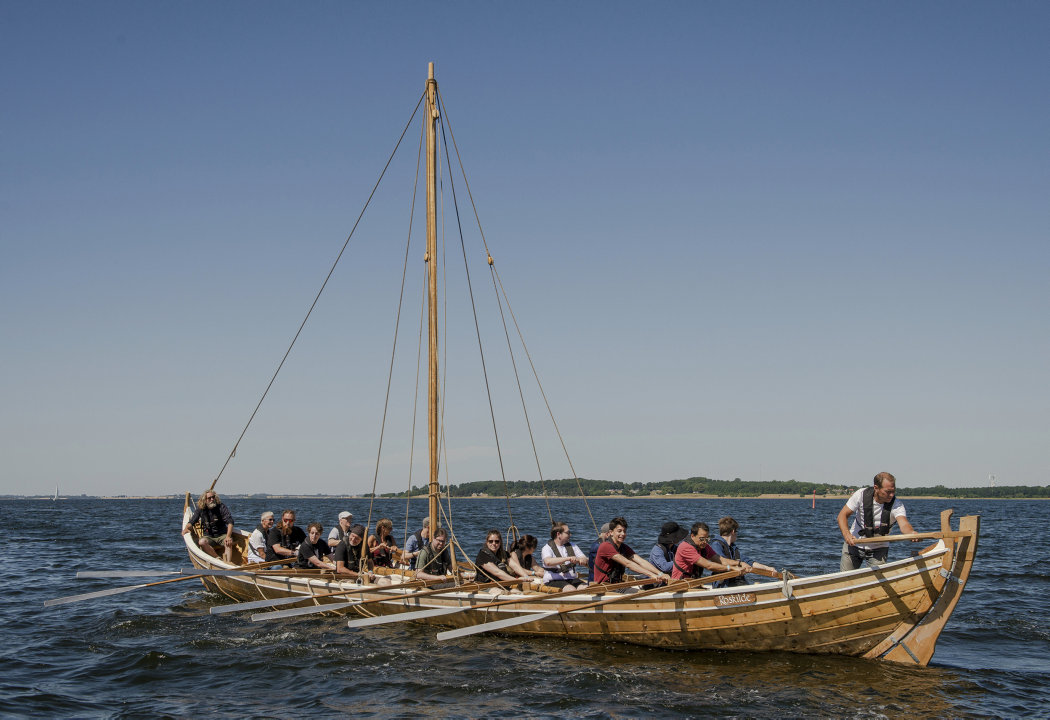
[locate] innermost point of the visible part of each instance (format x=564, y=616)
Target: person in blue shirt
x=662, y=554
x=726, y=547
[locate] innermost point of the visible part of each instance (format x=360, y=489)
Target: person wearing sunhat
x=662, y=555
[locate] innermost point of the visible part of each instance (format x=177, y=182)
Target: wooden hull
x=894, y=613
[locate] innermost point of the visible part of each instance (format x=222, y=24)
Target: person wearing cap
x=347, y=553
x=416, y=542
x=603, y=535
x=662, y=554
x=257, y=540
x=336, y=534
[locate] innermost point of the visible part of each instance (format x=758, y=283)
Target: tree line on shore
x=707, y=486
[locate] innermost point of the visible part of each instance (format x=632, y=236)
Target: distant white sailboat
x=55, y=498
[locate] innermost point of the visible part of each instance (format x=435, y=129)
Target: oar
x=124, y=573
x=912, y=536
x=113, y=591
x=275, y=602
x=521, y=620
x=294, y=612
x=119, y=590
x=435, y=612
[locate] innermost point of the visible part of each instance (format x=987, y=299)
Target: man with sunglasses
x=694, y=556
x=216, y=525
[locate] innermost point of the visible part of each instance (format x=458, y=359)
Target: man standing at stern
x=874, y=510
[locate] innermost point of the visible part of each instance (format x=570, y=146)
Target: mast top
x=430, y=70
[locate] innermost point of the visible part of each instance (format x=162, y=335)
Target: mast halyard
x=430, y=118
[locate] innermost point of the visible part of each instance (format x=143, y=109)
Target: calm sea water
x=158, y=653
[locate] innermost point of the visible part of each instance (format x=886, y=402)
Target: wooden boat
x=893, y=613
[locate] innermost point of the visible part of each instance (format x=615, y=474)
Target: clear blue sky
x=755, y=240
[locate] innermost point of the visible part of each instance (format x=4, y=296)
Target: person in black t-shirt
x=284, y=539
x=216, y=525
x=313, y=551
x=491, y=562
x=347, y=553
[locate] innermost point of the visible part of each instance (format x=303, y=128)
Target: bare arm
x=640, y=565
x=493, y=571
x=843, y=520
x=904, y=525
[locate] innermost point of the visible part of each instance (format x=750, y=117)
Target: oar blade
x=405, y=616
x=221, y=573
x=256, y=604
x=91, y=595
x=124, y=573
x=493, y=626
x=296, y=612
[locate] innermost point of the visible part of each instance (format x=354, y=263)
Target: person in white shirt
x=257, y=540
x=336, y=534
x=873, y=510
x=559, y=559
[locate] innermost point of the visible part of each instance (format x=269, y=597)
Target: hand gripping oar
x=675, y=586
x=435, y=612
x=295, y=612
x=119, y=590
x=275, y=602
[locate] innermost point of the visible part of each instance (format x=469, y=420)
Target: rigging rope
x=233, y=452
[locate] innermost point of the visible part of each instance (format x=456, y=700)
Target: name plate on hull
x=735, y=599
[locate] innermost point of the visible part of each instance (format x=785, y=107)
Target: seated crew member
x=257, y=540
x=216, y=525
x=726, y=547
x=694, y=555
x=521, y=561
x=382, y=545
x=416, y=541
x=491, y=562
x=614, y=556
x=603, y=535
x=662, y=554
x=874, y=510
x=336, y=534
x=560, y=557
x=434, y=561
x=347, y=554
x=313, y=551
x=284, y=538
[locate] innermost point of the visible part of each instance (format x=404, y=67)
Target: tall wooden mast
x=430, y=118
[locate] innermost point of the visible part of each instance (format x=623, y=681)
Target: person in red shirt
x=694, y=556
x=614, y=556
